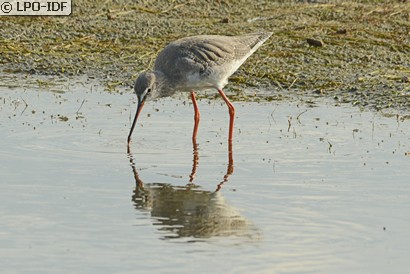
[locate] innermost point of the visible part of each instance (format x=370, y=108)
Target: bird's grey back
x=201, y=53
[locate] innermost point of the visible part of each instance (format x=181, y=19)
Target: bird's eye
x=148, y=90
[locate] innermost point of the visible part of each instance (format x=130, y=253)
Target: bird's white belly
x=218, y=78
x=198, y=81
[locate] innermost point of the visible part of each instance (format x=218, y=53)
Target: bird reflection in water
x=187, y=211
x=195, y=162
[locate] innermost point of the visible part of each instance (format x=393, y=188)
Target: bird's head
x=145, y=87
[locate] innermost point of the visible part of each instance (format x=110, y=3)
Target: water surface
x=314, y=187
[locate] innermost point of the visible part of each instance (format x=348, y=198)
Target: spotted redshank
x=196, y=63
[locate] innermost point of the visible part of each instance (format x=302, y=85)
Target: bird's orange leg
x=196, y=117
x=231, y=113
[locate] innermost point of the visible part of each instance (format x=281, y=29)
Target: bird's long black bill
x=139, y=108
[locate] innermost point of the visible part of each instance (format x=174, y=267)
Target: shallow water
x=314, y=188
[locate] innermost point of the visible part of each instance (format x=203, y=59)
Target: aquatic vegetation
x=353, y=51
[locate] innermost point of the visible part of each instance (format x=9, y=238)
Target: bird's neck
x=164, y=85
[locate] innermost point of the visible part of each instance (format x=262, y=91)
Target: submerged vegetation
x=353, y=51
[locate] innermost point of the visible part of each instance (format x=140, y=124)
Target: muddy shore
x=355, y=52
